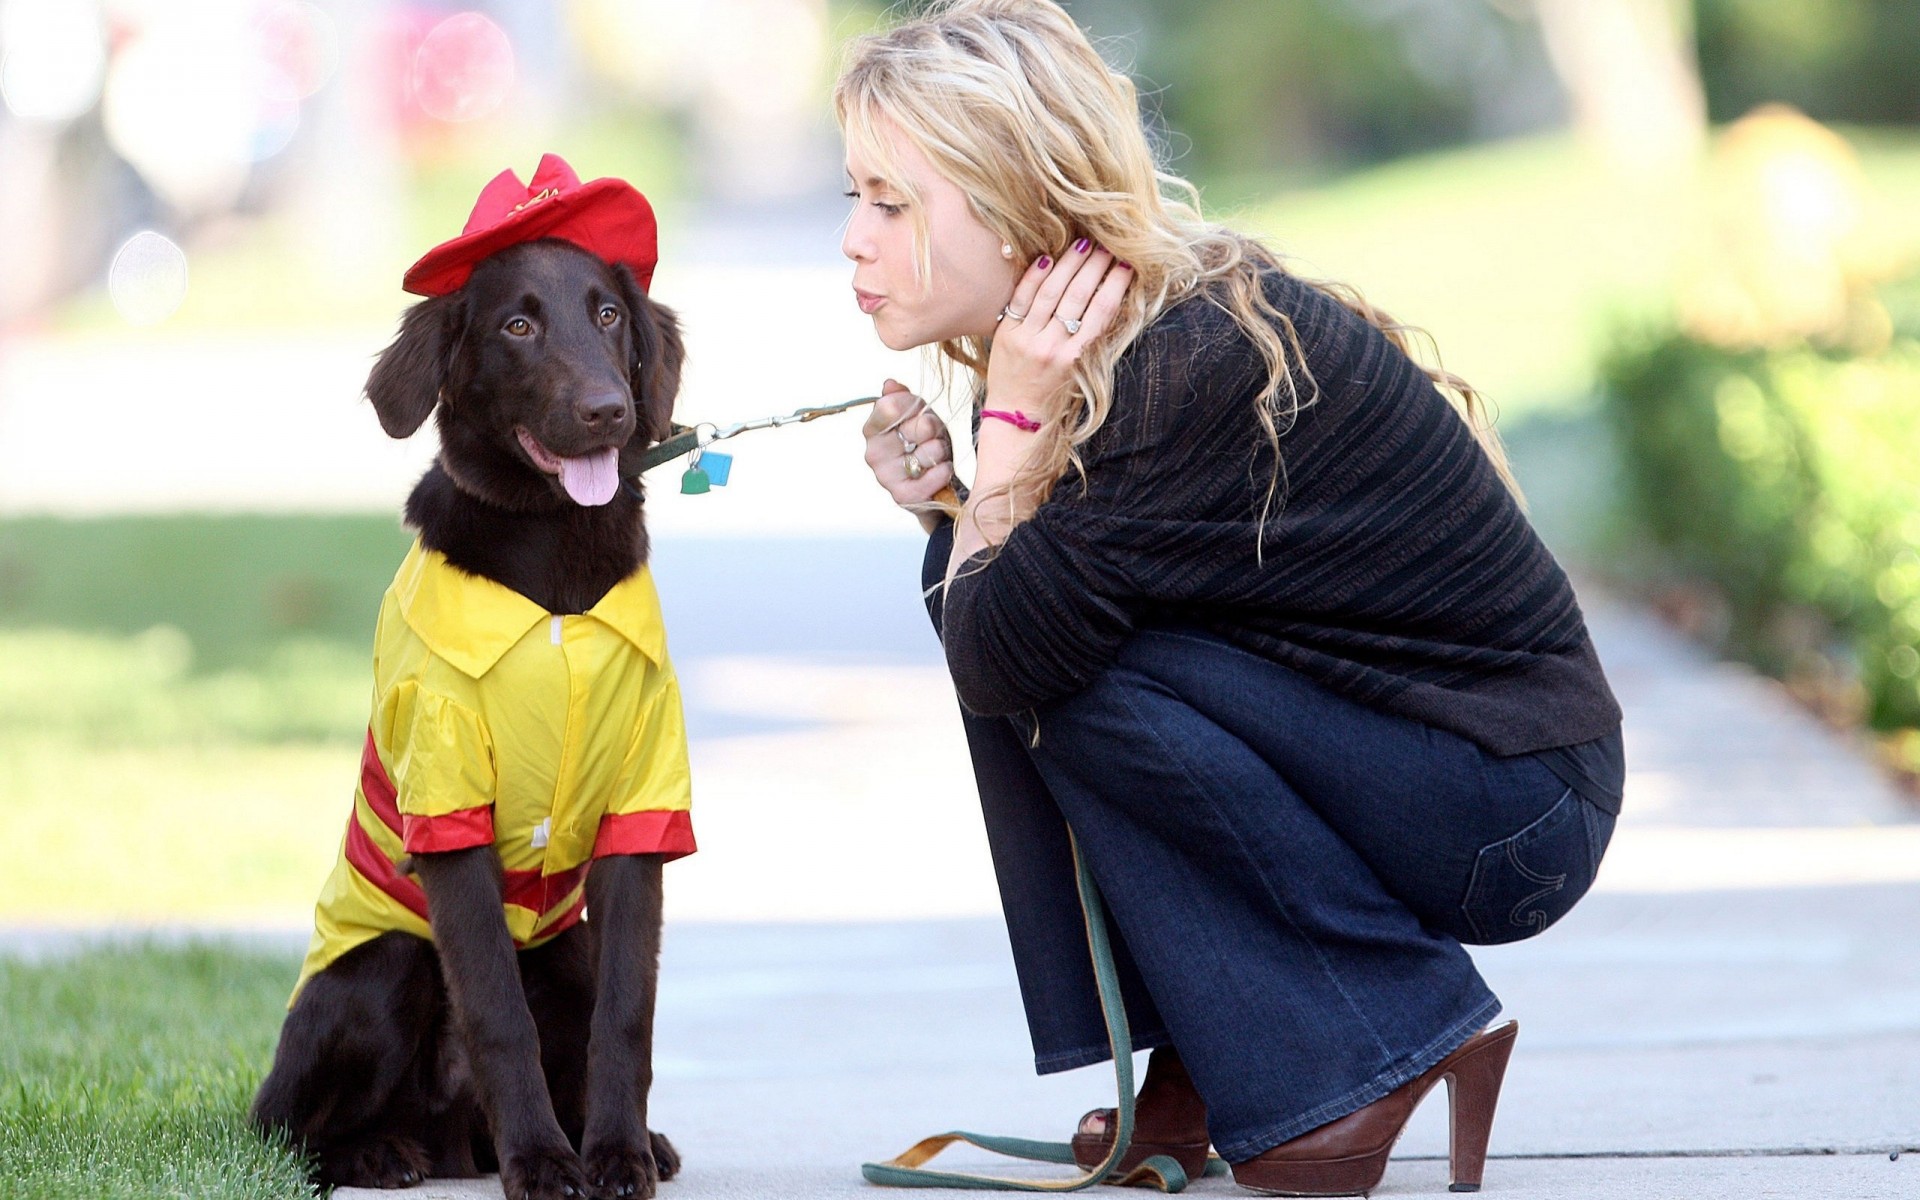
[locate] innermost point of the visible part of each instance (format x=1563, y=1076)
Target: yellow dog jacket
x=557, y=739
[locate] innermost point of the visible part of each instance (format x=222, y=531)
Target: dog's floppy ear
x=657, y=346
x=407, y=378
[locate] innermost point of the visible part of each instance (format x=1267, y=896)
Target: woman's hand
x=1058, y=309
x=909, y=449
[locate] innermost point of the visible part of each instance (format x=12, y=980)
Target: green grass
x=225, y=833
x=181, y=703
x=127, y=1073
x=240, y=588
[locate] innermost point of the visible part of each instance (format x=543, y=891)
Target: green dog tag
x=695, y=482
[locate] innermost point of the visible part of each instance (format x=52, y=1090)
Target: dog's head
x=551, y=370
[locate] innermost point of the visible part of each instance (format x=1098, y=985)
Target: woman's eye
x=608, y=316
x=892, y=210
x=520, y=327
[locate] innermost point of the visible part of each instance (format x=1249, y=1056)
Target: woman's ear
x=658, y=353
x=407, y=378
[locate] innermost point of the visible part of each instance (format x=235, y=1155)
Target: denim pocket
x=1522, y=884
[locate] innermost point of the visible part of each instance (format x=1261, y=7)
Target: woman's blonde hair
x=1010, y=102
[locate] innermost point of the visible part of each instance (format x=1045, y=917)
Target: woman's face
x=971, y=280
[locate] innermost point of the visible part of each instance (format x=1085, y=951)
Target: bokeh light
x=300, y=42
x=148, y=278
x=192, y=103
x=54, y=58
x=464, y=69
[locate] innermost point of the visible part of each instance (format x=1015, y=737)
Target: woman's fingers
x=894, y=404
x=899, y=419
x=1106, y=301
x=1046, y=300
x=921, y=491
x=907, y=488
x=1075, y=301
x=932, y=451
x=1024, y=291
x=925, y=427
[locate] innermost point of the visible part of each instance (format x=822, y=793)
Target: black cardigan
x=1398, y=570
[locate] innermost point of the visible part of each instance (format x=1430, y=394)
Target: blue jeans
x=1289, y=877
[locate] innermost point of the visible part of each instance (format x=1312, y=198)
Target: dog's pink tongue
x=592, y=479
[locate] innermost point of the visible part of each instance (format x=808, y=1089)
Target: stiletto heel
x=1348, y=1156
x=1473, y=1090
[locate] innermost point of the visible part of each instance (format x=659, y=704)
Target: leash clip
x=706, y=469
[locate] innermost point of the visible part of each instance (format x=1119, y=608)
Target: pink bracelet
x=1017, y=419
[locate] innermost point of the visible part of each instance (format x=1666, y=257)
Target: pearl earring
x=1006, y=249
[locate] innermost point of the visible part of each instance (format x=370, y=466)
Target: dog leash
x=1160, y=1171
x=710, y=468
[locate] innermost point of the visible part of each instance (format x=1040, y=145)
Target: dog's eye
x=519, y=327
x=609, y=316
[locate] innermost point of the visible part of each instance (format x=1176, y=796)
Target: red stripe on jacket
x=373, y=864
x=377, y=788
x=420, y=835
x=660, y=831
x=526, y=889
x=666, y=832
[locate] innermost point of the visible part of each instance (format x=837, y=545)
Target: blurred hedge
x=1787, y=482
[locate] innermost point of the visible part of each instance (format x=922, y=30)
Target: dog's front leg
x=490, y=1006
x=623, y=1158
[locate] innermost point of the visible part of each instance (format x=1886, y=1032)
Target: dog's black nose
x=601, y=409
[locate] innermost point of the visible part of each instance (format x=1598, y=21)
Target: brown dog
x=402, y=1054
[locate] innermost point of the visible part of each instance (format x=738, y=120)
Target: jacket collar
x=471, y=621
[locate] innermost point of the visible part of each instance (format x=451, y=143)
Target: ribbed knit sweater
x=1398, y=571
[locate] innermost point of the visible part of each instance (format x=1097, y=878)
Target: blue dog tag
x=717, y=466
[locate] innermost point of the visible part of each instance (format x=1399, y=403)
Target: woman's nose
x=854, y=243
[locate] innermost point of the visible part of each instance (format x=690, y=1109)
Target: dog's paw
x=544, y=1175
x=623, y=1172
x=664, y=1155
x=383, y=1161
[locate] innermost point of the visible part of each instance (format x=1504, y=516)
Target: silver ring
x=1072, y=325
x=907, y=444
x=1008, y=312
x=914, y=469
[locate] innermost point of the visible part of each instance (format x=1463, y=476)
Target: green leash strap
x=905, y=1170
x=681, y=440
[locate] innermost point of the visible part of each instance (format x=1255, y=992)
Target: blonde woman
x=1239, y=595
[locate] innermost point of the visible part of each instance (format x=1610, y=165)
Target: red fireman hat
x=607, y=217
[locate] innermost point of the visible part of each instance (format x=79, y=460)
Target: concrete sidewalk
x=1735, y=1011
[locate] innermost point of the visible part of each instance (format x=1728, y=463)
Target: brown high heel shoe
x=1348, y=1156
x=1167, y=1115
